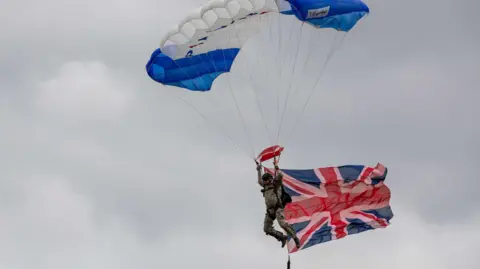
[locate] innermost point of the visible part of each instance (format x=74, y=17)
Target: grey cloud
x=163, y=188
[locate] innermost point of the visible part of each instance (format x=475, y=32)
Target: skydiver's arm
x=278, y=175
x=279, y=178
x=259, y=174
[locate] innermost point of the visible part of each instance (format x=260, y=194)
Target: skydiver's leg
x=287, y=227
x=269, y=230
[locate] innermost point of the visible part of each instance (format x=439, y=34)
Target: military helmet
x=267, y=176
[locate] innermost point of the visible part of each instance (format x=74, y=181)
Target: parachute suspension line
x=236, y=103
x=270, y=49
x=270, y=75
x=280, y=119
x=238, y=110
x=260, y=21
x=290, y=84
x=205, y=117
x=291, y=92
x=218, y=127
x=210, y=121
x=254, y=88
x=241, y=118
x=279, y=39
x=305, y=64
x=265, y=124
x=185, y=73
x=309, y=48
x=333, y=49
x=279, y=64
x=289, y=38
x=196, y=85
x=278, y=67
x=276, y=89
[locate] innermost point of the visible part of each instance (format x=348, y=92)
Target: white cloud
x=85, y=90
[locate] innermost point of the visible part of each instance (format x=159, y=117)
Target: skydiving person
x=275, y=200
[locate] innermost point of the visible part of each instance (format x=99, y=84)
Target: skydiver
x=275, y=200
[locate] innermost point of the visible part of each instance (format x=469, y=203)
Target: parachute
x=270, y=153
x=229, y=55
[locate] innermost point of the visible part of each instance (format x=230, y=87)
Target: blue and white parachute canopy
x=205, y=44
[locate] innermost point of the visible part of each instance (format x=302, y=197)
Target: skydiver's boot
x=280, y=237
x=297, y=241
x=283, y=240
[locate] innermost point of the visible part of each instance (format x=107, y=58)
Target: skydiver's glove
x=259, y=166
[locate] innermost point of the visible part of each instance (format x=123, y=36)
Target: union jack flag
x=332, y=202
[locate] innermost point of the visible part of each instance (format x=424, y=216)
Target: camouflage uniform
x=272, y=193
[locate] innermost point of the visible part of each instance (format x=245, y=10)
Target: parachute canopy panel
x=340, y=15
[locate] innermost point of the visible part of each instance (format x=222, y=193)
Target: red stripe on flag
x=328, y=174
x=372, y=217
x=297, y=188
x=311, y=231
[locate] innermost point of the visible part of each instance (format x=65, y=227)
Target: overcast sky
x=100, y=167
